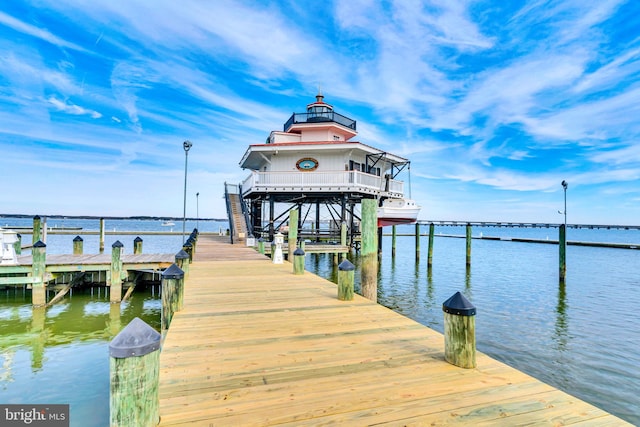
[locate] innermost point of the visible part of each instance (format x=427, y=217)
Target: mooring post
x=38, y=265
x=101, y=249
x=78, y=245
x=346, y=272
x=169, y=295
x=115, y=286
x=277, y=257
x=430, y=250
x=175, y=273
x=562, y=246
x=298, y=261
x=459, y=331
x=134, y=371
x=182, y=262
x=261, y=246
x=292, y=238
x=468, y=244
x=188, y=248
x=417, y=242
x=137, y=245
x=393, y=241
x=36, y=235
x=17, y=245
x=343, y=237
x=369, y=236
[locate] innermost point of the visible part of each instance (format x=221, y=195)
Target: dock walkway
x=258, y=345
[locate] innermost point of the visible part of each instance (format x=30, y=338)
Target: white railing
x=319, y=181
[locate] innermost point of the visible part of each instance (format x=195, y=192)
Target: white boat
x=168, y=224
x=396, y=211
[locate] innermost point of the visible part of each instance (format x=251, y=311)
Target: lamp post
x=562, y=238
x=564, y=186
x=187, y=146
x=197, y=211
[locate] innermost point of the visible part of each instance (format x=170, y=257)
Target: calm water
x=583, y=337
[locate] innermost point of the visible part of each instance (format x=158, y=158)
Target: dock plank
x=257, y=345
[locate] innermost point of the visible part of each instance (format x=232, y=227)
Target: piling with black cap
x=78, y=245
x=36, y=234
x=188, y=248
x=115, y=284
x=172, y=294
x=346, y=272
x=261, y=245
x=298, y=261
x=137, y=245
x=38, y=272
x=17, y=245
x=182, y=261
x=134, y=368
x=459, y=331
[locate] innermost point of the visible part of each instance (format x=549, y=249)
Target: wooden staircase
x=236, y=216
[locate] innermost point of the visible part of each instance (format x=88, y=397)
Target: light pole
x=186, y=145
x=564, y=186
x=197, y=211
x=562, y=238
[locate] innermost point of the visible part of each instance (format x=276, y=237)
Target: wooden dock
x=257, y=345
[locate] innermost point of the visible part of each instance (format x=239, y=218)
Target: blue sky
x=494, y=102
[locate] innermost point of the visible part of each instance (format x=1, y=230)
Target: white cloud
x=71, y=108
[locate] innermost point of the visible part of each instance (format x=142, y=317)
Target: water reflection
x=561, y=328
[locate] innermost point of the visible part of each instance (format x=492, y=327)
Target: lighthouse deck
x=257, y=345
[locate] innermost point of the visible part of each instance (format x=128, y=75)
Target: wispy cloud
x=71, y=108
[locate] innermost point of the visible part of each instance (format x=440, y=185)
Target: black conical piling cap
x=138, y=239
x=459, y=305
x=182, y=255
x=77, y=239
x=117, y=244
x=173, y=272
x=39, y=244
x=298, y=252
x=346, y=265
x=136, y=339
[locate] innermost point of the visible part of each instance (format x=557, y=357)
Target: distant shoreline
x=137, y=218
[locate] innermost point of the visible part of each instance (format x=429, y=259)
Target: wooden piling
x=101, y=249
x=459, y=331
x=182, y=261
x=115, y=283
x=38, y=265
x=562, y=249
x=137, y=245
x=170, y=295
x=343, y=237
x=261, y=246
x=36, y=235
x=417, y=242
x=430, y=250
x=292, y=238
x=468, y=244
x=298, y=261
x=346, y=272
x=393, y=241
x=369, y=237
x=78, y=245
x=134, y=369
x=17, y=245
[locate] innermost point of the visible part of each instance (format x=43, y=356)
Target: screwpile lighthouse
x=314, y=165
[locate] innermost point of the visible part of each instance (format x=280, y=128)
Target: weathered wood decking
x=257, y=345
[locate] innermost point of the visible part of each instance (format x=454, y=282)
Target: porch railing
x=320, y=181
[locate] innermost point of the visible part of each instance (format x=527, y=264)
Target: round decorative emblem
x=307, y=164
